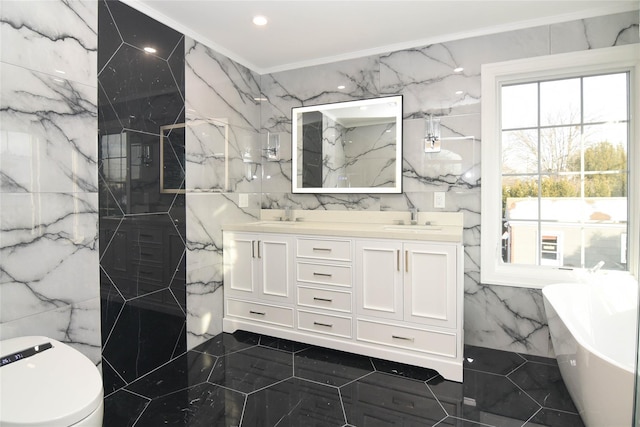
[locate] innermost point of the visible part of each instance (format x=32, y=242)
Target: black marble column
x=141, y=184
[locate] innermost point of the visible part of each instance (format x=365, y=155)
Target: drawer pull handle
x=401, y=402
x=256, y=312
x=322, y=274
x=396, y=337
x=322, y=249
x=326, y=325
x=322, y=299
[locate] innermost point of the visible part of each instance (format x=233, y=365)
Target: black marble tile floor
x=249, y=380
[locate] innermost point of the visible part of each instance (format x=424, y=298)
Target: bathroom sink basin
x=414, y=228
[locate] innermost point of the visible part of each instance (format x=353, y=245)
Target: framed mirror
x=348, y=147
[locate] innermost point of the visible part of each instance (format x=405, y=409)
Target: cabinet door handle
x=406, y=261
x=322, y=249
x=253, y=249
x=322, y=274
x=256, y=312
x=398, y=259
x=397, y=337
x=259, y=249
x=326, y=325
x=322, y=299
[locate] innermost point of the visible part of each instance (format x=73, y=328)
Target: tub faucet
x=596, y=267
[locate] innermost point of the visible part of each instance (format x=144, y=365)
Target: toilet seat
x=56, y=387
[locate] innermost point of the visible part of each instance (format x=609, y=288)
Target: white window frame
x=614, y=59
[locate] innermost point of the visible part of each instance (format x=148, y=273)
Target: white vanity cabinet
x=409, y=281
x=324, y=278
x=391, y=298
x=258, y=277
x=407, y=295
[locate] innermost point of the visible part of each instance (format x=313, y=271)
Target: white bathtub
x=593, y=331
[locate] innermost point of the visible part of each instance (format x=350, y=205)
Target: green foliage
x=607, y=161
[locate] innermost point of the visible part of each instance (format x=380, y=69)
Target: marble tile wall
x=49, y=281
x=501, y=317
x=141, y=184
x=223, y=162
x=222, y=94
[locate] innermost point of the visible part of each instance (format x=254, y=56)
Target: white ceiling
x=310, y=32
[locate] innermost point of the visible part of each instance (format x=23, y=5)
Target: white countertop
x=442, y=227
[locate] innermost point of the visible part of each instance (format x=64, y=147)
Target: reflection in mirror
x=172, y=152
x=348, y=147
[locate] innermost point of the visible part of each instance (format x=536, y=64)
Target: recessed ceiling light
x=149, y=49
x=60, y=72
x=341, y=87
x=260, y=20
x=458, y=70
x=459, y=92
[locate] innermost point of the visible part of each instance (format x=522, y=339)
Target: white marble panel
x=357, y=202
x=506, y=318
x=48, y=135
x=206, y=213
x=48, y=252
x=594, y=33
x=55, y=37
x=425, y=76
x=76, y=324
x=358, y=79
x=206, y=152
x=218, y=88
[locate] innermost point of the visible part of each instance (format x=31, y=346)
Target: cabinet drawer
x=323, y=298
x=336, y=250
x=324, y=324
x=440, y=343
x=322, y=273
x=147, y=253
x=282, y=316
x=148, y=235
x=146, y=272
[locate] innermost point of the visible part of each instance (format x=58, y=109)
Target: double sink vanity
x=373, y=283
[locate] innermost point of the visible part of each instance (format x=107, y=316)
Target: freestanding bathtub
x=593, y=331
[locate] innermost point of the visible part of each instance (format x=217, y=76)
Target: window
x=558, y=154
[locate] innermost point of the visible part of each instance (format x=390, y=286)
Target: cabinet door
x=379, y=278
x=274, y=254
x=430, y=284
x=239, y=272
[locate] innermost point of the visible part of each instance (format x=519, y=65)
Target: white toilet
x=45, y=383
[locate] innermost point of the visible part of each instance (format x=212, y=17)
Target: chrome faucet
x=596, y=267
x=414, y=216
x=288, y=213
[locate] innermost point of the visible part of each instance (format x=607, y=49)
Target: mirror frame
x=296, y=145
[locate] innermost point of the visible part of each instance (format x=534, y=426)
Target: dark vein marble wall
x=142, y=204
x=48, y=173
x=224, y=163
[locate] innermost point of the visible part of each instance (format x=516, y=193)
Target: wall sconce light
x=432, y=135
x=146, y=155
x=273, y=147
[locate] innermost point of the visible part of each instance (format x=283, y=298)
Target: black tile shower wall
x=141, y=184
